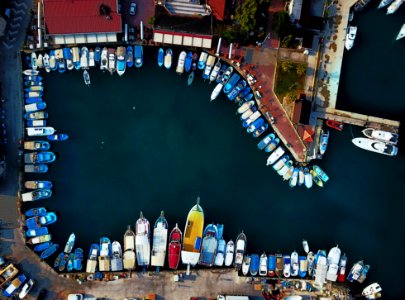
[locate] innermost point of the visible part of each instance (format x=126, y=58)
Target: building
x=81, y=21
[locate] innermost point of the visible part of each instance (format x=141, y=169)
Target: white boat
x=104, y=59
x=30, y=72
x=320, y=270
x=350, y=37
x=220, y=255
x=305, y=246
x=372, y=290
x=84, y=58
x=294, y=178
x=116, y=260
x=40, y=62
x=246, y=265
x=121, y=64
x=111, y=60
x=142, y=243
x=355, y=272
x=76, y=57
x=215, y=71
x=311, y=263
x=129, y=249
x=245, y=106
x=229, y=253
x=286, y=266
x=159, y=241
x=375, y=146
x=168, y=59
x=294, y=264
x=301, y=177
x=202, y=59
x=342, y=268
x=34, y=107
x=263, y=265
x=384, y=3
x=70, y=243
x=280, y=163
x=216, y=91
x=333, y=261
x=180, y=63
x=34, y=65
x=285, y=168
x=394, y=6
x=401, y=33
x=247, y=114
x=384, y=136
x=323, y=141
x=46, y=63
x=92, y=261
x=208, y=66
x=275, y=155
x=86, y=77
x=104, y=260
x=40, y=131
x=92, y=63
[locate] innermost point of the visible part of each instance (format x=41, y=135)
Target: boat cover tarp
x=129, y=259
x=129, y=242
x=116, y=264
x=91, y=266
x=104, y=263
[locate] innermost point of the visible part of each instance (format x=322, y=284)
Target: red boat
x=174, y=248
x=335, y=124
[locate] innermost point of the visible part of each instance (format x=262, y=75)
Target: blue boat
x=39, y=115
x=302, y=263
x=58, y=137
x=231, y=83
x=77, y=263
x=70, y=261
x=273, y=144
x=320, y=173
x=202, y=60
x=33, y=100
x=36, y=231
x=259, y=131
x=61, y=65
x=161, y=55
x=33, y=78
x=32, y=83
x=271, y=265
x=39, y=157
x=236, y=90
x=256, y=124
x=34, y=212
x=33, y=123
x=130, y=57
x=58, y=259
x=36, y=195
x=43, y=246
x=209, y=246
x=220, y=231
x=40, y=168
x=52, y=54
x=48, y=252
x=97, y=54
x=323, y=141
x=67, y=54
x=138, y=56
x=188, y=62
x=265, y=141
x=248, y=96
x=254, y=264
x=221, y=73
x=243, y=93
x=36, y=222
x=28, y=61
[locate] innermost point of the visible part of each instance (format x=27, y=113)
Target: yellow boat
x=193, y=236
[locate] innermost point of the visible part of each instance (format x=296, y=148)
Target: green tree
x=286, y=66
x=301, y=69
x=246, y=16
x=281, y=23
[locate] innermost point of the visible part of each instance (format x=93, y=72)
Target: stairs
x=185, y=7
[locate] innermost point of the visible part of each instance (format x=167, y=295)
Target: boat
x=33, y=94
x=37, y=145
x=97, y=55
x=305, y=246
x=321, y=267
x=216, y=91
x=86, y=77
x=70, y=261
x=30, y=72
x=246, y=265
x=33, y=78
x=34, y=65
x=84, y=58
x=58, y=259
x=284, y=167
x=189, y=61
x=321, y=174
x=31, y=232
x=241, y=243
x=323, y=141
x=279, y=264
x=381, y=135
x=275, y=155
x=202, y=60
x=76, y=57
x=248, y=113
x=342, y=268
x=273, y=144
x=104, y=59
x=394, y=6
x=301, y=177
x=190, y=78
x=316, y=178
x=220, y=254
x=375, y=146
x=259, y=131
x=192, y=238
x=116, y=259
x=254, y=264
x=281, y=163
x=229, y=253
x=121, y=64
x=38, y=115
x=265, y=141
x=243, y=93
x=236, y=90
x=355, y=272
x=57, y=137
x=36, y=195
x=263, y=265
x=52, y=60
x=372, y=290
x=215, y=71
x=63, y=262
x=221, y=73
x=334, y=124
x=245, y=107
x=48, y=252
x=40, y=62
x=271, y=265
x=33, y=100
x=40, y=131
x=34, y=89
x=384, y=3
x=36, y=123
x=401, y=33
x=208, y=66
x=142, y=242
x=333, y=262
x=231, y=83
x=92, y=62
x=138, y=56
x=104, y=259
x=34, y=107
x=129, y=58
x=33, y=83
x=363, y=274
x=159, y=244
x=286, y=266
x=303, y=266
x=307, y=178
x=42, y=246
x=128, y=257
x=111, y=60
x=92, y=258
x=350, y=36
x=41, y=168
x=227, y=75
x=168, y=59
x=161, y=57
x=294, y=264
x=70, y=243
x=43, y=157
x=67, y=54
x=174, y=248
x=294, y=179
x=35, y=212
x=60, y=60
x=40, y=239
x=180, y=62
x=209, y=246
x=77, y=263
x=287, y=176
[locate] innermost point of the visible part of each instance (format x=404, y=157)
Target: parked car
x=132, y=9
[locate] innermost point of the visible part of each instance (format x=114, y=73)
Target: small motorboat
x=286, y=266
x=221, y=73
x=48, y=252
x=275, y=155
x=70, y=261
x=161, y=55
x=58, y=137
x=190, y=78
x=229, y=253
x=40, y=239
x=104, y=59
x=273, y=144
x=305, y=246
x=58, y=259
x=254, y=264
x=38, y=184
x=31, y=100
x=33, y=83
x=189, y=61
x=37, y=145
x=281, y=163
x=372, y=291
x=70, y=243
x=245, y=107
x=307, y=178
x=294, y=178
x=168, y=59
x=34, y=64
x=263, y=265
x=68, y=55
x=294, y=264
x=92, y=62
x=303, y=266
x=86, y=77
x=138, y=55
x=174, y=248
x=121, y=63
x=43, y=246
x=130, y=57
x=227, y=75
x=33, y=78
x=77, y=263
x=84, y=58
x=39, y=115
x=301, y=177
x=180, y=62
x=97, y=55
x=31, y=232
x=47, y=66
x=35, y=88
x=30, y=72
x=112, y=61
x=342, y=268
x=216, y=91
x=35, y=212
x=63, y=262
x=34, y=107
x=40, y=61
x=220, y=254
x=246, y=265
x=43, y=157
x=259, y=131
x=36, y=195
x=39, y=221
x=52, y=60
x=323, y=141
x=76, y=57
x=335, y=124
x=215, y=71
x=271, y=265
x=316, y=179
x=321, y=174
x=202, y=60
x=40, y=168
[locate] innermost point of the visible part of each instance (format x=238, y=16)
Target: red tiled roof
x=80, y=16
x=218, y=8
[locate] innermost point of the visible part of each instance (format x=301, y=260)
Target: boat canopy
x=91, y=266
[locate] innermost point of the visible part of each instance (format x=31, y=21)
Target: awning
x=180, y=38
x=91, y=38
x=308, y=136
x=157, y=37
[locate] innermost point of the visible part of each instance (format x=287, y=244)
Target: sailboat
x=174, y=248
x=193, y=236
x=142, y=242
x=159, y=242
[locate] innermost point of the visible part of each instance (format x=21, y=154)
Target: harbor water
x=147, y=141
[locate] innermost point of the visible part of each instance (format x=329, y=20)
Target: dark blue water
x=149, y=142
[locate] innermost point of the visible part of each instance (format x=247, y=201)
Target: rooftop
x=218, y=8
